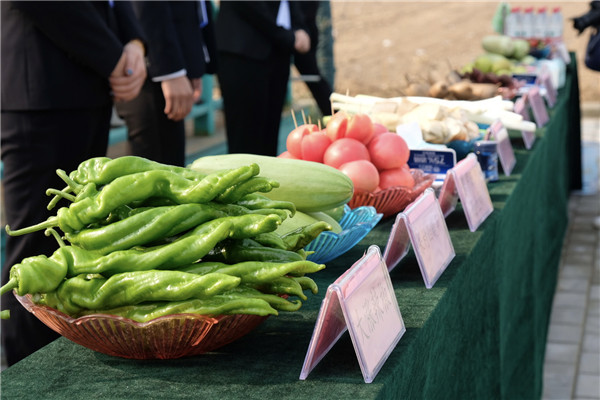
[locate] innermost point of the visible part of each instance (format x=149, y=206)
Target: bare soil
x=379, y=45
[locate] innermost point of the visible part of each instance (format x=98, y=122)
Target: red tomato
x=286, y=154
x=336, y=127
x=345, y=150
x=375, y=134
x=294, y=138
x=379, y=128
x=388, y=150
x=313, y=146
x=363, y=174
x=360, y=127
x=396, y=177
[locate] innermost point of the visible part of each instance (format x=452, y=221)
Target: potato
x=438, y=90
x=417, y=89
x=462, y=90
x=484, y=90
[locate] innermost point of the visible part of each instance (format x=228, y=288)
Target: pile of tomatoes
x=374, y=158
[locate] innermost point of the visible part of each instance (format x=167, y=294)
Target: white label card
x=503, y=146
x=412, y=134
x=466, y=182
x=363, y=302
x=424, y=224
x=522, y=107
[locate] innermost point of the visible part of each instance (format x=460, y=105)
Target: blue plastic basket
x=356, y=224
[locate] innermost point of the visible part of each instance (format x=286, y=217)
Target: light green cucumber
x=336, y=213
x=311, y=186
x=299, y=220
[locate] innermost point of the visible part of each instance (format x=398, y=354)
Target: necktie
x=202, y=14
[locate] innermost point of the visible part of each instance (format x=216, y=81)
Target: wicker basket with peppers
x=143, y=240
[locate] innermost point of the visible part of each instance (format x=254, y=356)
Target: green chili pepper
x=256, y=201
x=216, y=305
x=281, y=285
x=251, y=225
x=234, y=209
x=37, y=274
x=254, y=271
x=277, y=302
x=236, y=251
x=94, y=292
x=134, y=187
x=301, y=237
x=81, y=191
x=271, y=239
x=255, y=184
x=103, y=170
x=307, y=283
x=144, y=227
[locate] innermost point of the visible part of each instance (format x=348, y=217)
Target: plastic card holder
x=424, y=223
x=545, y=80
x=436, y=162
x=522, y=108
x=540, y=114
x=362, y=301
x=466, y=181
x=563, y=53
x=504, y=147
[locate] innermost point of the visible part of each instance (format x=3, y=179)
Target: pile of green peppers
x=141, y=240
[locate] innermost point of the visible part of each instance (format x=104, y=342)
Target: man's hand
x=179, y=97
x=302, y=43
x=197, y=88
x=129, y=74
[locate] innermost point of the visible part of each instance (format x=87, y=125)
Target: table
x=479, y=333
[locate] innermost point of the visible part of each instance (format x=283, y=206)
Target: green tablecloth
x=479, y=333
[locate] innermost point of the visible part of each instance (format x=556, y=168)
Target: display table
x=479, y=333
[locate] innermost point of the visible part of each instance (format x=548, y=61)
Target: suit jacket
x=249, y=28
x=175, y=37
x=59, y=55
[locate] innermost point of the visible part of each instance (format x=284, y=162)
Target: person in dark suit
x=307, y=63
x=180, y=50
x=255, y=42
x=63, y=64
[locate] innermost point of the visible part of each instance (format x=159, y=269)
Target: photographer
x=591, y=19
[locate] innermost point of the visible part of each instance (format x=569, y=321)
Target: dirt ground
x=378, y=44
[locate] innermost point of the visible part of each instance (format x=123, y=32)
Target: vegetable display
x=142, y=239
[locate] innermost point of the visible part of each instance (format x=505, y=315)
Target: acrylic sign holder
x=545, y=80
x=362, y=301
x=465, y=181
x=505, y=149
x=423, y=223
x=521, y=107
x=537, y=106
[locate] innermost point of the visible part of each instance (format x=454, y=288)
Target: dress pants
x=34, y=145
x=253, y=94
